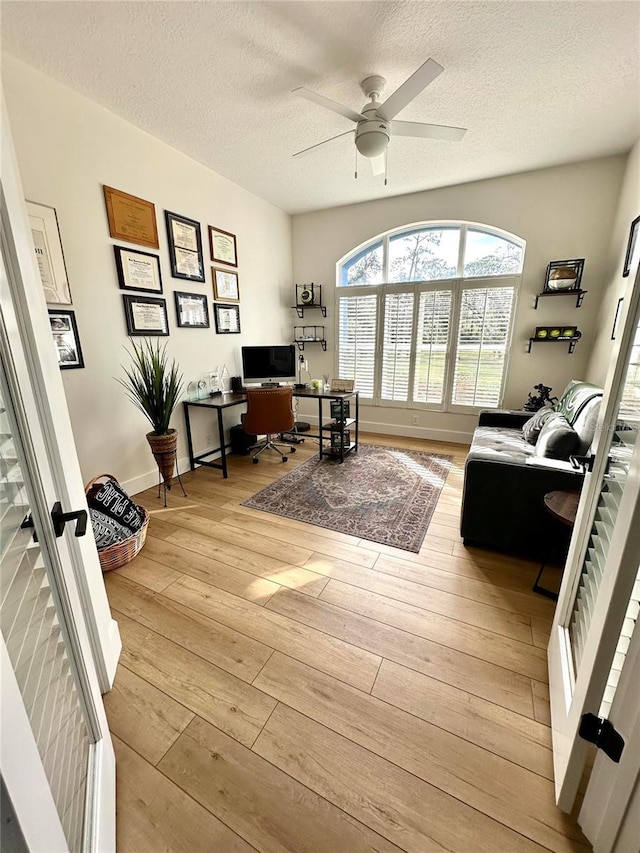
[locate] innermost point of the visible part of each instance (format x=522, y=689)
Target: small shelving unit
x=571, y=341
x=309, y=335
x=579, y=295
x=309, y=298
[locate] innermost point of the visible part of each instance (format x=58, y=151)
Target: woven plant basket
x=120, y=553
x=163, y=448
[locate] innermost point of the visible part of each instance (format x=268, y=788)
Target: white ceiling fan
x=374, y=125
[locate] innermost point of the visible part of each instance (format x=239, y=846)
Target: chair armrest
x=503, y=418
x=553, y=464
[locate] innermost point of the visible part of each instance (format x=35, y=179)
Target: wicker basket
x=120, y=553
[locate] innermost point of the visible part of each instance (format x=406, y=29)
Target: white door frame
x=53, y=413
x=609, y=794
x=573, y=694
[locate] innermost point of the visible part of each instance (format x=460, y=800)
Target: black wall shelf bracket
x=300, y=309
x=571, y=341
x=579, y=295
x=302, y=343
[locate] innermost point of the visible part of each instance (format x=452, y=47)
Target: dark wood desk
x=220, y=402
x=563, y=506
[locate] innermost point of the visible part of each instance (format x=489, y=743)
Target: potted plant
x=154, y=386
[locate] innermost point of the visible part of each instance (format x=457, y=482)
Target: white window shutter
x=432, y=337
x=396, y=346
x=357, y=318
x=483, y=335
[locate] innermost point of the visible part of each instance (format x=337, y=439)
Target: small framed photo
x=48, y=245
x=131, y=219
x=138, y=270
x=146, y=315
x=227, y=318
x=633, y=248
x=223, y=247
x=66, y=339
x=185, y=247
x=564, y=275
x=192, y=310
x=343, y=386
x=225, y=285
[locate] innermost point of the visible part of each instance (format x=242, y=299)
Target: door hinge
x=602, y=733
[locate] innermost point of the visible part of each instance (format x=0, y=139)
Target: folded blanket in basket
x=114, y=516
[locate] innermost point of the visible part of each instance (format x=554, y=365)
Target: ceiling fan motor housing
x=373, y=134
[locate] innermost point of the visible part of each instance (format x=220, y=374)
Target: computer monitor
x=269, y=364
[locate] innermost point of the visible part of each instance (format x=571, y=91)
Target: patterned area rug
x=383, y=494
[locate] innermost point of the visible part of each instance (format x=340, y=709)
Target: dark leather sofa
x=505, y=482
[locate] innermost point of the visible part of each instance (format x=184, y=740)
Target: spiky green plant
x=152, y=383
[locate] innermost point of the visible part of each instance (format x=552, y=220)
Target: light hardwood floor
x=288, y=688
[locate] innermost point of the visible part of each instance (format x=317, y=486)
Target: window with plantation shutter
x=434, y=319
x=357, y=319
x=397, y=340
x=428, y=316
x=483, y=336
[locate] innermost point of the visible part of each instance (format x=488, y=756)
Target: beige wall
x=67, y=148
x=563, y=212
x=615, y=285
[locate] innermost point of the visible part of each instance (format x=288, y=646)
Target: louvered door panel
x=36, y=647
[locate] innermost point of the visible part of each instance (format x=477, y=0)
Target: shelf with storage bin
x=334, y=426
x=579, y=295
x=309, y=335
x=571, y=341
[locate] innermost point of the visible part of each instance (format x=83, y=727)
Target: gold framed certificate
x=223, y=247
x=131, y=218
x=225, y=285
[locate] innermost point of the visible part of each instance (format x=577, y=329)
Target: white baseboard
x=427, y=433
x=146, y=481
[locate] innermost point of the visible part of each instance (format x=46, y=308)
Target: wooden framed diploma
x=131, y=218
x=223, y=247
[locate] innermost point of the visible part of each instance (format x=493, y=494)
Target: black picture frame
x=220, y=315
x=614, y=329
x=186, y=263
x=182, y=319
x=633, y=246
x=134, y=325
x=123, y=273
x=66, y=339
x=575, y=264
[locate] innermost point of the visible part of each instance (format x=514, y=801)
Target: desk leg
x=223, y=449
x=542, y=590
x=320, y=425
x=189, y=440
x=355, y=449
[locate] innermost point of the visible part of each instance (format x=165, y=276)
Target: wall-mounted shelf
x=302, y=308
x=309, y=335
x=579, y=295
x=302, y=343
x=571, y=341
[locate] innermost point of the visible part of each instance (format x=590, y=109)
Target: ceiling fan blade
x=327, y=103
x=427, y=131
x=378, y=164
x=411, y=87
x=324, y=142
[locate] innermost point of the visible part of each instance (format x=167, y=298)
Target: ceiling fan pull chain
x=355, y=175
x=386, y=164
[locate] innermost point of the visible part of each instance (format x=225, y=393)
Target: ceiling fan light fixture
x=371, y=142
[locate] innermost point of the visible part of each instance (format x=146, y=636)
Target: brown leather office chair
x=269, y=412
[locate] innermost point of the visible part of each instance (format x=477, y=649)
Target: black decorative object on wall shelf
x=564, y=276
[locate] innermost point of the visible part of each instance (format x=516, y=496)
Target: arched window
x=424, y=315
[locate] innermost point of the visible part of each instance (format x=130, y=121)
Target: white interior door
x=56, y=759
x=602, y=563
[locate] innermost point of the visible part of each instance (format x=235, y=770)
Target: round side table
x=563, y=507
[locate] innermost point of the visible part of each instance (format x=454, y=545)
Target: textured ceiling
x=536, y=83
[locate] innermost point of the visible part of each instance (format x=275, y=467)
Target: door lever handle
x=60, y=518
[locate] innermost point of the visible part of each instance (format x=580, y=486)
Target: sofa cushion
x=585, y=423
x=557, y=439
x=531, y=429
x=500, y=444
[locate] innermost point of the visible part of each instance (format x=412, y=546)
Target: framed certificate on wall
x=131, y=219
x=185, y=247
x=223, y=247
x=138, y=270
x=146, y=315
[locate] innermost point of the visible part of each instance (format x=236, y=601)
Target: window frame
x=456, y=285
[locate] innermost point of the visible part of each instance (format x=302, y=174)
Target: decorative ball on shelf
x=306, y=296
